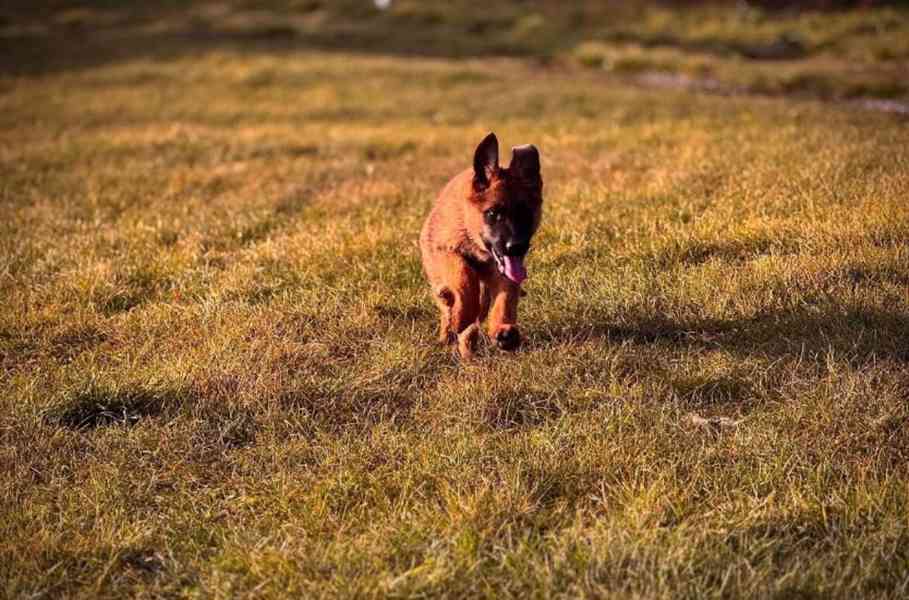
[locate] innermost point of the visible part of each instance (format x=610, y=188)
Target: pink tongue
x=514, y=269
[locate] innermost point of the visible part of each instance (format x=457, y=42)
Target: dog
x=474, y=241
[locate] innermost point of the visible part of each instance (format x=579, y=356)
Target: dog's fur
x=474, y=241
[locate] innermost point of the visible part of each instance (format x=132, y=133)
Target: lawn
x=219, y=374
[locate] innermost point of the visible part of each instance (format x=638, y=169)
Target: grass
x=218, y=375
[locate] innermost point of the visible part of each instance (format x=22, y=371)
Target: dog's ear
x=485, y=161
x=525, y=162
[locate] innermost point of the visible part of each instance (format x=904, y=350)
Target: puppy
x=474, y=241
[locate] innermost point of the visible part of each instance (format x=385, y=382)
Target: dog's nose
x=516, y=248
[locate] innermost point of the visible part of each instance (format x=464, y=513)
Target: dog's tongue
x=514, y=269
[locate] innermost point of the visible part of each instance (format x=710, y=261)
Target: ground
x=218, y=368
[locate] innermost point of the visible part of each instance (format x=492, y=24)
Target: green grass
x=218, y=373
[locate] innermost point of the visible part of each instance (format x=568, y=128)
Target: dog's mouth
x=512, y=267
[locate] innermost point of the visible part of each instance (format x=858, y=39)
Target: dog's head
x=506, y=205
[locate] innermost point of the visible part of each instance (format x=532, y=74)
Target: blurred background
x=820, y=48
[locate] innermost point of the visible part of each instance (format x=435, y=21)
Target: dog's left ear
x=525, y=162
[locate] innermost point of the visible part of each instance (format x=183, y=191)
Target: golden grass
x=218, y=375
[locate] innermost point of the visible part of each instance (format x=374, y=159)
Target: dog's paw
x=507, y=337
x=446, y=337
x=467, y=341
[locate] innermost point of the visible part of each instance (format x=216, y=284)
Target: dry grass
x=218, y=375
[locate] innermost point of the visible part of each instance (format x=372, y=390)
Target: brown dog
x=474, y=242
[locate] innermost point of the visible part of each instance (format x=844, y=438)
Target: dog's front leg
x=503, y=314
x=461, y=300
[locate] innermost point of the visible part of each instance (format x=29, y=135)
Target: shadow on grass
x=95, y=407
x=859, y=333
x=218, y=424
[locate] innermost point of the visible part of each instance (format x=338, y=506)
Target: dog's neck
x=475, y=256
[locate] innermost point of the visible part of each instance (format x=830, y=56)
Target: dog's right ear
x=525, y=162
x=485, y=161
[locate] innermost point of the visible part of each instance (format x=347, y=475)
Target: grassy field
x=218, y=369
